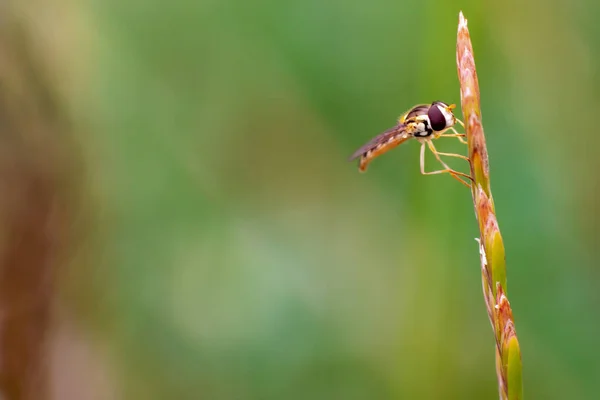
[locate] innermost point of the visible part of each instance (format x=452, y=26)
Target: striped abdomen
x=379, y=145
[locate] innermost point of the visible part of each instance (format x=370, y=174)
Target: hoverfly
x=424, y=122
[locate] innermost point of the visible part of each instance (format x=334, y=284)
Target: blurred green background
x=233, y=253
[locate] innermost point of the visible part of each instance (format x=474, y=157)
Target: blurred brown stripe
x=33, y=212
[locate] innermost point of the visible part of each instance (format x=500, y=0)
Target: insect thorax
x=420, y=127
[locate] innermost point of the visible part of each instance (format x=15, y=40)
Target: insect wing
x=379, y=140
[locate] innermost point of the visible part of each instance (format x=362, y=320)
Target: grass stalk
x=491, y=246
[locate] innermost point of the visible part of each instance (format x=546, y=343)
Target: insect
x=424, y=122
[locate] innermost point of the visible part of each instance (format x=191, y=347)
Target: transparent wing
x=379, y=141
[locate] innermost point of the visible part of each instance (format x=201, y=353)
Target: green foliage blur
x=238, y=255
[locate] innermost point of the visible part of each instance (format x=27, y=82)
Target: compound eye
x=436, y=118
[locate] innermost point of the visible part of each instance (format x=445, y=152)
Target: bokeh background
x=214, y=243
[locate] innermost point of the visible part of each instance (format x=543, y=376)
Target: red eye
x=436, y=118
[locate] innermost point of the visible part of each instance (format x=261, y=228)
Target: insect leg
x=460, y=136
x=457, y=135
x=454, y=155
x=448, y=170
